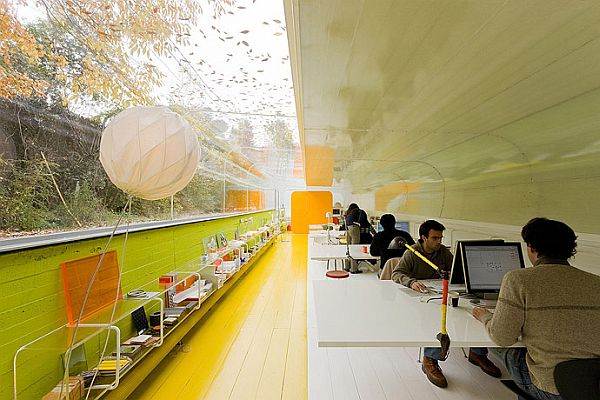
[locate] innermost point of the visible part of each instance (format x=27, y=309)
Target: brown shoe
x=485, y=364
x=433, y=372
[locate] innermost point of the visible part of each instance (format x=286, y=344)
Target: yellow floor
x=252, y=345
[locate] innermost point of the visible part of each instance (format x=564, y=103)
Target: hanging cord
x=67, y=359
x=114, y=307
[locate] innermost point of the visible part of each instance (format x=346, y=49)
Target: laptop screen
x=486, y=264
x=457, y=274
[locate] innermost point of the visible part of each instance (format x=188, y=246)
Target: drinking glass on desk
x=454, y=296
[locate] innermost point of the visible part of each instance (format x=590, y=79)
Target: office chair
x=578, y=379
x=574, y=379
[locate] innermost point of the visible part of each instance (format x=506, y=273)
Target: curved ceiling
x=476, y=110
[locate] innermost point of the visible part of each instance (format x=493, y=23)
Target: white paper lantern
x=149, y=152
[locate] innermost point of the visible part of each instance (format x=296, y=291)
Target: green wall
x=33, y=297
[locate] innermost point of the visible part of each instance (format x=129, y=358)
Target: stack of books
x=131, y=351
x=108, y=366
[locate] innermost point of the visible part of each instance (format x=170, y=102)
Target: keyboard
x=489, y=305
x=436, y=285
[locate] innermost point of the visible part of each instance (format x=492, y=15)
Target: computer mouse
x=475, y=301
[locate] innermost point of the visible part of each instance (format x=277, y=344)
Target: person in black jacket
x=356, y=216
x=381, y=240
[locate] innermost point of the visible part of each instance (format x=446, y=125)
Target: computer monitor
x=402, y=225
x=457, y=273
x=485, y=264
x=336, y=212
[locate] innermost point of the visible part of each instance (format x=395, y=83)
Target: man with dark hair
x=411, y=268
x=381, y=240
x=408, y=272
x=554, y=308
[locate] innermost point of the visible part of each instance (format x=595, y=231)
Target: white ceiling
x=482, y=110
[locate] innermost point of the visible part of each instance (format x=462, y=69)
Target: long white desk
x=365, y=313
x=338, y=252
x=323, y=233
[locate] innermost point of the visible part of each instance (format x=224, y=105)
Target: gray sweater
x=411, y=268
x=555, y=309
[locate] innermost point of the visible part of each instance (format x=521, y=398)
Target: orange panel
x=319, y=165
x=385, y=194
x=298, y=165
x=77, y=275
x=235, y=200
x=309, y=208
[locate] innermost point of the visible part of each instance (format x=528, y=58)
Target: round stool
x=335, y=274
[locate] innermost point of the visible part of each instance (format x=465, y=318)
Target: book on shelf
x=140, y=339
x=108, y=366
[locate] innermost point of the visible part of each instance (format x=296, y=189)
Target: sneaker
x=485, y=364
x=433, y=371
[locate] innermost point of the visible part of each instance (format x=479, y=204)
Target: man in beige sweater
x=554, y=308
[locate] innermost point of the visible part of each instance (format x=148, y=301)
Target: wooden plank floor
x=252, y=345
x=260, y=343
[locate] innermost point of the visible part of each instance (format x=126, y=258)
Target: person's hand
x=418, y=286
x=479, y=313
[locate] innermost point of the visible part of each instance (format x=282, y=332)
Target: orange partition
x=319, y=165
x=309, y=208
x=77, y=275
x=235, y=200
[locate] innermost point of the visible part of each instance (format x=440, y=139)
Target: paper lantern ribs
x=149, y=152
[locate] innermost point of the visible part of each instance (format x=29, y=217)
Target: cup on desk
x=364, y=249
x=453, y=298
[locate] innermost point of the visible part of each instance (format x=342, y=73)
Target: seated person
x=381, y=240
x=408, y=272
x=554, y=308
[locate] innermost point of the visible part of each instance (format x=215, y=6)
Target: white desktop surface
x=365, y=313
x=323, y=233
x=338, y=251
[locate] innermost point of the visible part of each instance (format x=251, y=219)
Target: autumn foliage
x=120, y=39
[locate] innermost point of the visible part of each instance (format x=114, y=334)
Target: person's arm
x=375, y=248
x=506, y=324
x=408, y=238
x=402, y=273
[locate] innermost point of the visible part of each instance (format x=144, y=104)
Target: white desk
x=361, y=313
x=338, y=252
x=332, y=234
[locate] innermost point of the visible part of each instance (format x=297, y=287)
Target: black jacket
x=360, y=217
x=381, y=241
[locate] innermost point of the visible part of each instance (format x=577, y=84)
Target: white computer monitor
x=486, y=264
x=457, y=273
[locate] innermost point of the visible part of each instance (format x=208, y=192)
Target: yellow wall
x=309, y=208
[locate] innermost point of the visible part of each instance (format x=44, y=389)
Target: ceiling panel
x=462, y=96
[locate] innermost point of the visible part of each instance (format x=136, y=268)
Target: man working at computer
x=408, y=272
x=554, y=308
x=381, y=240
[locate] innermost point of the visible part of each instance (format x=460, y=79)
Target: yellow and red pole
x=443, y=335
